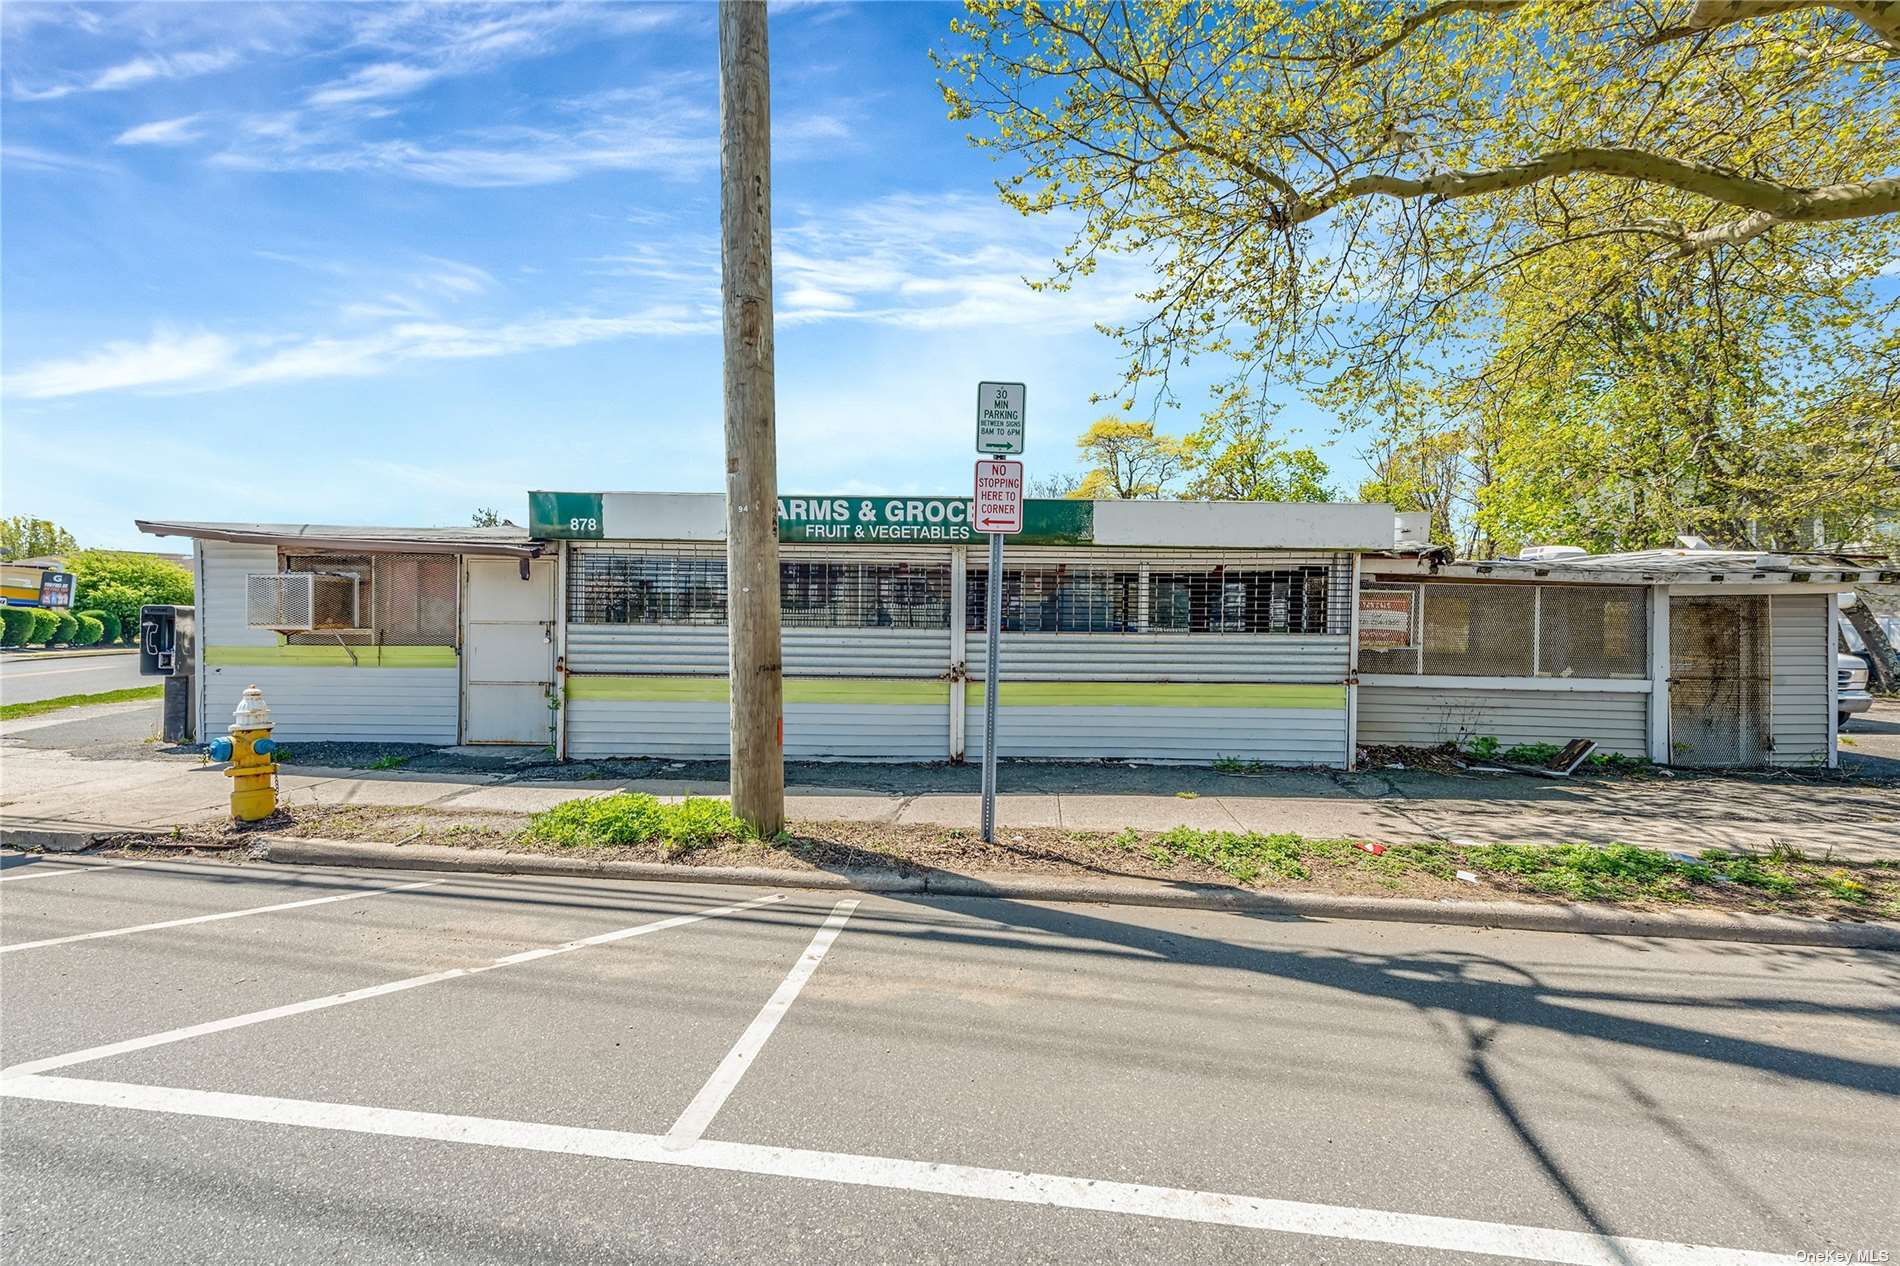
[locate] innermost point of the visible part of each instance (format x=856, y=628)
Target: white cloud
x=491, y=158
x=32, y=158
x=179, y=131
x=384, y=79
x=210, y=362
x=937, y=262
x=141, y=69
x=168, y=357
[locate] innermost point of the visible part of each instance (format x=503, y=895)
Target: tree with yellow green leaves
x=1462, y=216
x=1127, y=461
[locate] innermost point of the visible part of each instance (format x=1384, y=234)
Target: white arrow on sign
x=999, y=497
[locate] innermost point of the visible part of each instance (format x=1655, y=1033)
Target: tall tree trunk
x=745, y=256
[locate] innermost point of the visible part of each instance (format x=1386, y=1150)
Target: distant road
x=25, y=680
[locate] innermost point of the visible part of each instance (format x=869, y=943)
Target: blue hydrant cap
x=221, y=749
x=264, y=746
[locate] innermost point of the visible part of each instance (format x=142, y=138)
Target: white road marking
x=215, y=918
x=372, y=991
x=1291, y=1217
x=46, y=870
x=712, y=1096
x=56, y=672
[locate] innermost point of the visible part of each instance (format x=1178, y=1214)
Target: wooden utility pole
x=745, y=260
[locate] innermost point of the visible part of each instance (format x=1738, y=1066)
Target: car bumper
x=1849, y=705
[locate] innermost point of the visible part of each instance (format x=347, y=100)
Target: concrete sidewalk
x=42, y=784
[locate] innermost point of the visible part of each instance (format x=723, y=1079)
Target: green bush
x=16, y=625
x=637, y=818
x=45, y=627
x=122, y=583
x=110, y=623
x=68, y=627
x=91, y=629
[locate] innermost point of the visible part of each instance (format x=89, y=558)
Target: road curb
x=61, y=839
x=35, y=657
x=1593, y=920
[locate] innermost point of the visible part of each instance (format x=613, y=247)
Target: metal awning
x=502, y=542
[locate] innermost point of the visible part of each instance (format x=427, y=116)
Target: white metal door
x=507, y=652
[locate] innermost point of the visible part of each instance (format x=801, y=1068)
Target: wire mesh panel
x=1595, y=631
x=1168, y=596
x=1479, y=630
x=1718, y=680
x=1506, y=630
x=415, y=599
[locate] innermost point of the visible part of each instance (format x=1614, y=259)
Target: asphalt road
x=491, y=1069
x=24, y=679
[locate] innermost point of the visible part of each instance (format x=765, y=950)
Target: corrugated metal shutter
x=1167, y=657
x=1276, y=736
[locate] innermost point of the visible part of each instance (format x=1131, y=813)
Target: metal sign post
x=993, y=622
x=998, y=510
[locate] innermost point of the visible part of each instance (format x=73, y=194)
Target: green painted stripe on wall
x=329, y=657
x=1159, y=694
x=854, y=690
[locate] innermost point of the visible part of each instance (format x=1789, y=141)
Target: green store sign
x=840, y=520
x=922, y=521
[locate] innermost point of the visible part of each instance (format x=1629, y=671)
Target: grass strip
x=638, y=818
x=14, y=711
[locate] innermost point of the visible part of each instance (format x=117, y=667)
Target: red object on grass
x=1374, y=849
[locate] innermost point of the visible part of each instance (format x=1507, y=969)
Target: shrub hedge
x=110, y=623
x=68, y=628
x=16, y=624
x=45, y=627
x=91, y=629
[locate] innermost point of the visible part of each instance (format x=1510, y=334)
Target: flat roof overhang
x=342, y=542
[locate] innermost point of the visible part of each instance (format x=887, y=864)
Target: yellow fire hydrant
x=249, y=749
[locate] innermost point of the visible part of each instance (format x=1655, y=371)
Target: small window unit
x=303, y=602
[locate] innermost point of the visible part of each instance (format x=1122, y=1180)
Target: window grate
x=822, y=595
x=1059, y=597
x=610, y=587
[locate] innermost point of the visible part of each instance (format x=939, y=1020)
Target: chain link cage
x=404, y=599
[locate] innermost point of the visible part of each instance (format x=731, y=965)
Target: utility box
x=166, y=649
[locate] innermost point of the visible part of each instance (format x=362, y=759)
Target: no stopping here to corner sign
x=998, y=498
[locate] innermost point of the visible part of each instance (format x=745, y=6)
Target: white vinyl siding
x=1801, y=659
x=390, y=705
x=1276, y=736
x=345, y=705
x=1425, y=716
x=599, y=728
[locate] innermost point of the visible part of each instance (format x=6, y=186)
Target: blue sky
x=384, y=264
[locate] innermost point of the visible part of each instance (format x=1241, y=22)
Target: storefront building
x=1285, y=634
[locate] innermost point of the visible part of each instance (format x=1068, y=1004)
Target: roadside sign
x=998, y=504
x=999, y=417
